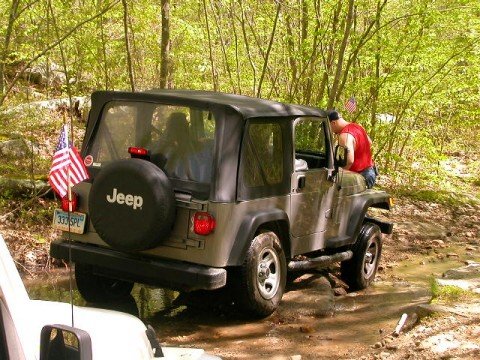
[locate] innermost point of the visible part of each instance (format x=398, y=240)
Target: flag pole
x=67, y=170
x=69, y=198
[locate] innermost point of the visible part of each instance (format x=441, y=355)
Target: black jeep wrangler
x=191, y=189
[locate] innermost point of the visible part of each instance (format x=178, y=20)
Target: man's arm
x=348, y=141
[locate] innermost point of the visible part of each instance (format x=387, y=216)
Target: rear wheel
x=262, y=279
x=97, y=288
x=360, y=270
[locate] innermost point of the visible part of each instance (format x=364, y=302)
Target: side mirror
x=340, y=156
x=64, y=342
x=339, y=160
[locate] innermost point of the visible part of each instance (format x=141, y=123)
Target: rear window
x=180, y=139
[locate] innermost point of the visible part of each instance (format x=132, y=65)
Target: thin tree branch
x=131, y=76
x=212, y=64
x=272, y=36
x=51, y=46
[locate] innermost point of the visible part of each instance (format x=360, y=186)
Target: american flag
x=67, y=168
x=351, y=105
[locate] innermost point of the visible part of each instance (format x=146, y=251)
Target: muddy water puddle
x=421, y=269
x=309, y=322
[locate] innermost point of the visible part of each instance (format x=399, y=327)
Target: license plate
x=77, y=221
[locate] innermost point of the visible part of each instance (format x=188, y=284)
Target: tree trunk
x=238, y=69
x=165, y=45
x=333, y=95
x=267, y=55
x=353, y=58
x=217, y=16
x=329, y=51
x=131, y=75
x=212, y=63
x=247, y=47
x=103, y=50
x=374, y=90
x=291, y=57
x=12, y=17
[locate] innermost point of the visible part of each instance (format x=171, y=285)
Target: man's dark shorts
x=370, y=175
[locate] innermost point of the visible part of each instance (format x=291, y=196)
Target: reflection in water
x=154, y=304
x=365, y=314
x=144, y=302
x=152, y=300
x=124, y=304
x=209, y=319
x=54, y=287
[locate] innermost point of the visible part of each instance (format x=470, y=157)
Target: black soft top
x=231, y=111
x=248, y=107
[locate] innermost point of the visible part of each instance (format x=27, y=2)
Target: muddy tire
x=261, y=281
x=98, y=289
x=360, y=270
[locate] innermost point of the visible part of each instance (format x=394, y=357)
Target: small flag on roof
x=351, y=105
x=67, y=167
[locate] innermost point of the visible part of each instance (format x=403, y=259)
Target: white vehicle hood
x=114, y=335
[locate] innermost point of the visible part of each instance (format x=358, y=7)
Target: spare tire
x=132, y=205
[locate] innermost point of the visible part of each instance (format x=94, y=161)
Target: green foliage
x=436, y=196
x=416, y=61
x=37, y=130
x=449, y=294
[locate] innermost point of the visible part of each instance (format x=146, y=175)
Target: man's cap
x=333, y=115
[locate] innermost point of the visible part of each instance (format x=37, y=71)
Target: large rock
x=422, y=230
x=17, y=148
x=465, y=277
x=41, y=74
x=22, y=186
x=470, y=285
x=470, y=271
x=80, y=106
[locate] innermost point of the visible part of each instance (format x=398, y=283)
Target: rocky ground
x=448, y=327
x=446, y=332
x=318, y=318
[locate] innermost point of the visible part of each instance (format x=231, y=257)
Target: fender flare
x=378, y=199
x=249, y=226
x=358, y=216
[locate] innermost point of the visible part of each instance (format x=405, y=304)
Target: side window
x=263, y=155
x=310, y=144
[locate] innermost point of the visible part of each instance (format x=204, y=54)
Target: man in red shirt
x=354, y=137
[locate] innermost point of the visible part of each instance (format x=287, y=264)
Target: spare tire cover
x=132, y=205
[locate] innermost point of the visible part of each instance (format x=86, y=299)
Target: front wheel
x=360, y=270
x=262, y=278
x=96, y=288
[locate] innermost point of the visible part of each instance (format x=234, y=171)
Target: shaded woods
x=412, y=66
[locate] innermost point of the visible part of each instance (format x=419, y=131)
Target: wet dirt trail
x=312, y=322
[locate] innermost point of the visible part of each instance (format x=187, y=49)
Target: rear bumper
x=133, y=267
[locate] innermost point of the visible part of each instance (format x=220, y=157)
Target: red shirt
x=363, y=153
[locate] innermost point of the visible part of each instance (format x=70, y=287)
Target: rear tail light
x=203, y=223
x=138, y=152
x=70, y=205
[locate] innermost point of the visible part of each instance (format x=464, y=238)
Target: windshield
x=180, y=139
